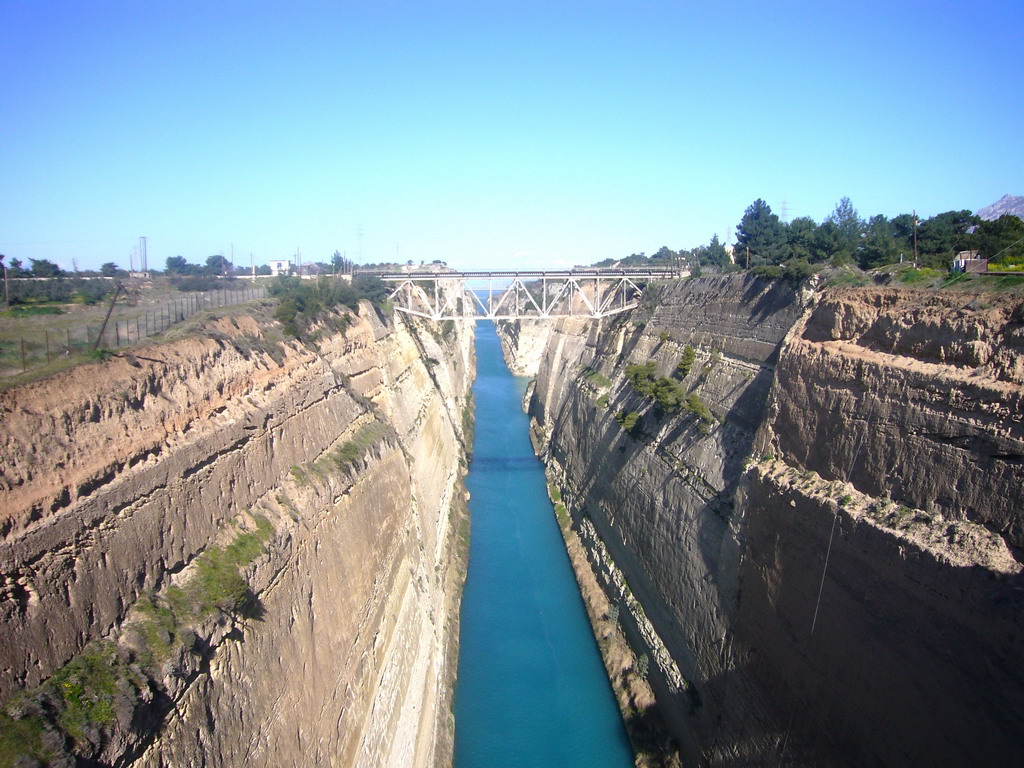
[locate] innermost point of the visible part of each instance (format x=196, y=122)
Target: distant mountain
x=1006, y=204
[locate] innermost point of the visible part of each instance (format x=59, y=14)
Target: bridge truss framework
x=528, y=295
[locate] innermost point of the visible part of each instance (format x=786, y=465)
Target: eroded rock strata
x=327, y=477
x=819, y=547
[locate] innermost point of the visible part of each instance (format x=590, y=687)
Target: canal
x=531, y=687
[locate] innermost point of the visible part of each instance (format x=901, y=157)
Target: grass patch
x=602, y=401
x=353, y=451
x=597, y=379
x=30, y=310
x=918, y=275
x=216, y=585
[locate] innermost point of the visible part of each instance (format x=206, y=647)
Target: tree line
x=764, y=240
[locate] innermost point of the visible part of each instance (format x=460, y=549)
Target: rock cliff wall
x=875, y=432
x=260, y=537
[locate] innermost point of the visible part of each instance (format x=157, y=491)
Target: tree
x=176, y=265
x=715, y=254
x=762, y=232
x=880, y=245
x=44, y=268
x=343, y=265
x=825, y=242
x=1002, y=239
x=941, y=237
x=16, y=269
x=110, y=269
x=800, y=237
x=215, y=264
x=848, y=229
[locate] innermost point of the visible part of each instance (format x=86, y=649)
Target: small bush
x=21, y=737
x=87, y=686
x=216, y=585
x=630, y=422
x=355, y=449
x=686, y=362
x=602, y=401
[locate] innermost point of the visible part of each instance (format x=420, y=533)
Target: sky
x=489, y=135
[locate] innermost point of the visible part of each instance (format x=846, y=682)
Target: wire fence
x=22, y=352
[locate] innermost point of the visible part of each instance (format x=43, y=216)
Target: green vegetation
x=78, y=702
x=215, y=585
x=914, y=276
x=668, y=394
x=563, y=515
x=37, y=297
x=554, y=492
x=630, y=422
x=643, y=665
x=352, y=451
x=602, y=401
x=596, y=379
x=686, y=362
x=88, y=685
x=302, y=303
x=774, y=249
x=22, y=737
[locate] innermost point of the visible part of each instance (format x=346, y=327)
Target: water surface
x=531, y=689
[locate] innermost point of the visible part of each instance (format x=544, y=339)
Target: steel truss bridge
x=521, y=295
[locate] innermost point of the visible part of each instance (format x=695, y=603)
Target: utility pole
x=7, y=290
x=143, y=265
x=252, y=267
x=748, y=257
x=106, y=319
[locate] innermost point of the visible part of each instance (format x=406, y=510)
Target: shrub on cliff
x=630, y=422
x=686, y=362
x=303, y=302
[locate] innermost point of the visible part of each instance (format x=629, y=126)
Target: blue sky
x=489, y=134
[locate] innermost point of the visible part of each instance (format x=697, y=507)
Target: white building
x=280, y=267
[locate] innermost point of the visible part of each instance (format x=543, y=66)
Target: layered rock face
x=862, y=445
x=127, y=484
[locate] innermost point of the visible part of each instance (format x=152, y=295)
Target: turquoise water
x=531, y=690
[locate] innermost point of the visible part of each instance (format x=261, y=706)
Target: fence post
x=69, y=339
x=24, y=367
x=47, y=346
x=117, y=334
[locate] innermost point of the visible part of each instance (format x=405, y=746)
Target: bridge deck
x=527, y=273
